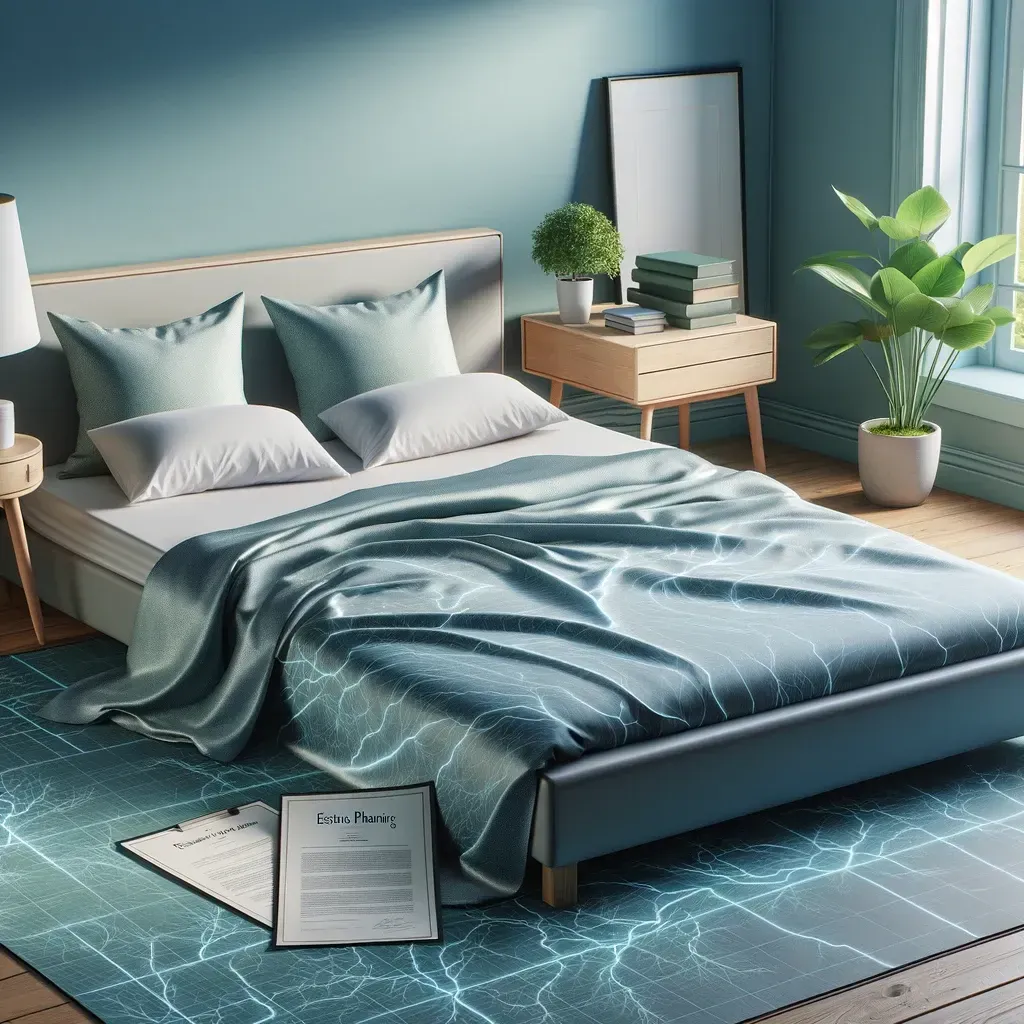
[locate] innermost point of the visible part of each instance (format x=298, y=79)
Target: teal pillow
x=337, y=352
x=124, y=372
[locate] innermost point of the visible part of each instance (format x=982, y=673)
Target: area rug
x=718, y=926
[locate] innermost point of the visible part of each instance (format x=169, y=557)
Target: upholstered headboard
x=158, y=293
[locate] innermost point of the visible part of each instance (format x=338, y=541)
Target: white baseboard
x=965, y=472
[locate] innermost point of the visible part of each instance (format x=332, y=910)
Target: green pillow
x=124, y=372
x=337, y=352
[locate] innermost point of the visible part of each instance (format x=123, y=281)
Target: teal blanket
x=479, y=628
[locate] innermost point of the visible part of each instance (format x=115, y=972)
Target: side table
x=652, y=371
x=21, y=472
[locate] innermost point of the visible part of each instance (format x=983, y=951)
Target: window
x=973, y=144
x=1005, y=178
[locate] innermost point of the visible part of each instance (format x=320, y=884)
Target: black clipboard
x=184, y=828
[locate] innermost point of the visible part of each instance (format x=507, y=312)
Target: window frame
x=1005, y=183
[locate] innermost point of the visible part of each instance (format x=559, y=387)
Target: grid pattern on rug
x=718, y=926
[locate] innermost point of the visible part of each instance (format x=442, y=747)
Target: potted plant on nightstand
x=574, y=243
x=918, y=322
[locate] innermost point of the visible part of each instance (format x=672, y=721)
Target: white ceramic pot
x=575, y=299
x=897, y=472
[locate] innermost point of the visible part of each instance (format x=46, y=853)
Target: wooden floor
x=979, y=984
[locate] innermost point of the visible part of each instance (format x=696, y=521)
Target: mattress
x=92, y=518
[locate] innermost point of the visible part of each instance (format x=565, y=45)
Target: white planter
x=897, y=472
x=575, y=299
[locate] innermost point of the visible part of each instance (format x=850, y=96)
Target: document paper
x=228, y=856
x=357, y=868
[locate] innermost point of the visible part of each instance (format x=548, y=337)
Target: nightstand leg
x=555, y=398
x=646, y=421
x=684, y=425
x=754, y=426
x=12, y=508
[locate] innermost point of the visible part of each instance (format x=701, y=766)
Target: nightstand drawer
x=706, y=377
x=705, y=349
x=588, y=362
x=19, y=477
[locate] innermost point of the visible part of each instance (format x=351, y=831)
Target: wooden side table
x=21, y=472
x=654, y=371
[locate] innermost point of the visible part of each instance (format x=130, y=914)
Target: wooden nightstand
x=21, y=472
x=653, y=371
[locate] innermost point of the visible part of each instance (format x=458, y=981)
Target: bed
x=92, y=556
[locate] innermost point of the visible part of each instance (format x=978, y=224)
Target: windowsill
x=986, y=392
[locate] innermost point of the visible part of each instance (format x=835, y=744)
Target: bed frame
x=668, y=786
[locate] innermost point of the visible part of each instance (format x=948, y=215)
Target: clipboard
x=213, y=833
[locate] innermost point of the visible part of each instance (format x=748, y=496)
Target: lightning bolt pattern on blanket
x=528, y=614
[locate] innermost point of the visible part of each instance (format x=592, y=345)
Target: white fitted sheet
x=92, y=517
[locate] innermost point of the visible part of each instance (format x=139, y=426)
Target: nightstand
x=21, y=472
x=653, y=371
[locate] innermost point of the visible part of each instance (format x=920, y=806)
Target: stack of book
x=691, y=290
x=635, y=319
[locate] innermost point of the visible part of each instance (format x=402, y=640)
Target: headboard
x=157, y=293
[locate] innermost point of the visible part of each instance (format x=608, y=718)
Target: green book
x=683, y=309
x=695, y=323
x=685, y=264
x=685, y=289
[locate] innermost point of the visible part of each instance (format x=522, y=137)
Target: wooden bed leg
x=558, y=886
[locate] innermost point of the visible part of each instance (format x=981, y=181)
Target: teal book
x=685, y=264
x=695, y=323
x=684, y=309
x=685, y=289
x=634, y=313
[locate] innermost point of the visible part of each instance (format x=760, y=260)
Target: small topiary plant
x=576, y=241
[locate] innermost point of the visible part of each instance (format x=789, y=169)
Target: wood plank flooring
x=26, y=998
x=978, y=984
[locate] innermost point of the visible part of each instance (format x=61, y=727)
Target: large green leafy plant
x=577, y=241
x=918, y=320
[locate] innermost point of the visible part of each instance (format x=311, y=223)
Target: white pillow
x=430, y=417
x=191, y=450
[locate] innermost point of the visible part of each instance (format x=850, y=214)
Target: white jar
x=6, y=423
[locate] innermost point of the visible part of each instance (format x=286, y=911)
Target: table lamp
x=19, y=329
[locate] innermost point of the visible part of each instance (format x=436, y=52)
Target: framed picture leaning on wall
x=677, y=166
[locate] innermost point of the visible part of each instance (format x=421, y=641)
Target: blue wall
x=833, y=126
x=137, y=130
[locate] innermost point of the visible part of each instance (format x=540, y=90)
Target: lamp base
x=6, y=423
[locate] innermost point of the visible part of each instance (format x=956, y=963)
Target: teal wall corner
x=833, y=125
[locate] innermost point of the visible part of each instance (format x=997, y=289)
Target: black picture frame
x=433, y=818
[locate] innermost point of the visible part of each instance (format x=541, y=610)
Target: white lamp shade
x=19, y=329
